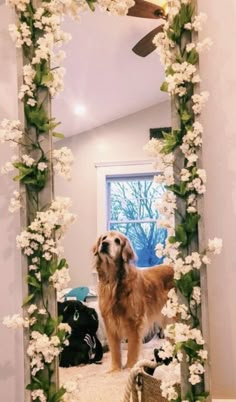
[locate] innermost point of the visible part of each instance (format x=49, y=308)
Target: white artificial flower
x=206, y=260
x=203, y=354
x=167, y=350
x=199, y=100
x=10, y=131
x=38, y=276
x=188, y=26
x=60, y=279
x=153, y=147
x=27, y=160
x=204, y=45
x=39, y=395
x=198, y=21
x=63, y=161
x=194, y=379
x=215, y=245
x=15, y=321
x=42, y=311
x=32, y=308
x=72, y=391
x=185, y=174
x=42, y=166
x=159, y=250
x=65, y=327
x=196, y=295
x=190, y=46
x=56, y=83
x=167, y=204
x=42, y=348
x=8, y=167
x=19, y=4
x=15, y=202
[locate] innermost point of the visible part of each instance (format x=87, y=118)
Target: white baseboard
x=223, y=400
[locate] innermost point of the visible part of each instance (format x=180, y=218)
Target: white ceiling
x=103, y=73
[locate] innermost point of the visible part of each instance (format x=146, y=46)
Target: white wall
x=121, y=140
x=11, y=350
x=219, y=78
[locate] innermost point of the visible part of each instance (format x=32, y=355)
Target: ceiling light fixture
x=80, y=110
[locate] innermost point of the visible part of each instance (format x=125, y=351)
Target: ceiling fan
x=147, y=9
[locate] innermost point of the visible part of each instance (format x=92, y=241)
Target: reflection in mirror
x=110, y=102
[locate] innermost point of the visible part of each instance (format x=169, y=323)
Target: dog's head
x=114, y=246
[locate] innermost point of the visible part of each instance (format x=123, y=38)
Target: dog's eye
x=104, y=238
x=117, y=241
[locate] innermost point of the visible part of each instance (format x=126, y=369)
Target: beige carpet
x=96, y=384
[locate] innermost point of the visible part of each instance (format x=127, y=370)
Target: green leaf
x=21, y=176
x=50, y=326
x=45, y=269
x=52, y=266
x=38, y=75
x=58, y=135
x=27, y=299
x=202, y=397
x=185, y=116
x=192, y=345
x=169, y=71
x=179, y=189
x=183, y=188
x=56, y=397
x=32, y=281
x=178, y=347
x=181, y=235
x=172, y=239
x=47, y=78
x=164, y=87
x=91, y=4
x=63, y=263
x=191, y=222
x=37, y=116
x=193, y=56
x=38, y=327
x=33, y=386
x=185, y=284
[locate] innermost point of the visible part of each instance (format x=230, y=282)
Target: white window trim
x=111, y=169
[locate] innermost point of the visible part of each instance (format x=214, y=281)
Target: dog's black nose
x=104, y=247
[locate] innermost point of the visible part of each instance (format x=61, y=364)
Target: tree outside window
x=132, y=211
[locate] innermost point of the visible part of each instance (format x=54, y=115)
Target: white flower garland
x=180, y=59
x=38, y=33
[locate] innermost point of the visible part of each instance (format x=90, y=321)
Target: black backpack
x=84, y=346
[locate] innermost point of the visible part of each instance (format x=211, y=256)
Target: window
x=129, y=173
x=131, y=210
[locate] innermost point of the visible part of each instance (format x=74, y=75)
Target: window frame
x=112, y=169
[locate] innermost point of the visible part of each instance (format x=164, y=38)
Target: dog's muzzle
x=104, y=247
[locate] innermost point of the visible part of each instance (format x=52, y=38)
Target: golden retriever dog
x=130, y=299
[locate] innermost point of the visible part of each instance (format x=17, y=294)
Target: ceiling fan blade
x=145, y=9
x=145, y=46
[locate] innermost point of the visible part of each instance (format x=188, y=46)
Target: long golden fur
x=130, y=299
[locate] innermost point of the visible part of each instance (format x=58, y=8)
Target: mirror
x=120, y=92
x=111, y=100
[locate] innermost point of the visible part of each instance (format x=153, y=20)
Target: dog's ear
x=128, y=253
x=96, y=246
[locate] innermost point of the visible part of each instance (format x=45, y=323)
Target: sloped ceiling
x=104, y=75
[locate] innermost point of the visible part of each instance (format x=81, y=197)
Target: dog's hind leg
x=134, y=346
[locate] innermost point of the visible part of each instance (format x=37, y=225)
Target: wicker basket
x=146, y=388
